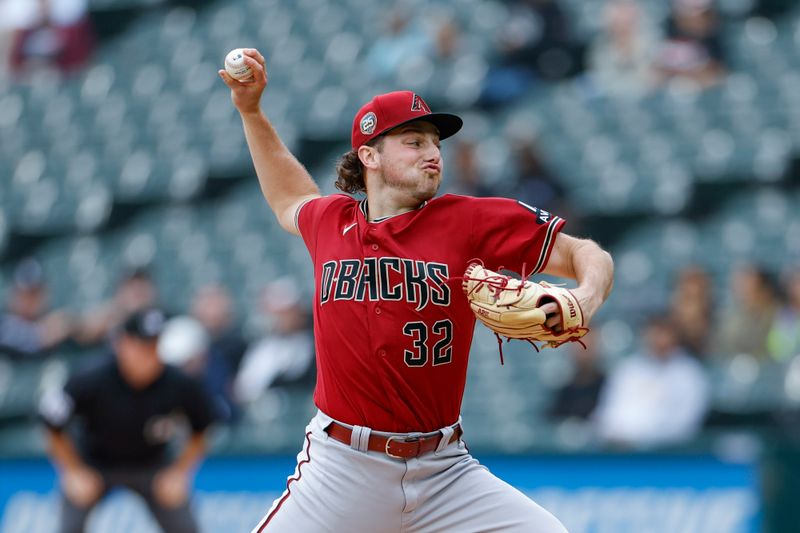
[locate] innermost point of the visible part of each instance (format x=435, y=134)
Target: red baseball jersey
x=392, y=326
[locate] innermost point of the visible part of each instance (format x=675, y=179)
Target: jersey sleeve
x=513, y=235
x=309, y=215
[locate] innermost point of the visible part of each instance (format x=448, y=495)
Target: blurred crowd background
x=667, y=130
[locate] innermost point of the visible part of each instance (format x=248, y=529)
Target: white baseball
x=236, y=67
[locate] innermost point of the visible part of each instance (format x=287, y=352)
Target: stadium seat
x=148, y=124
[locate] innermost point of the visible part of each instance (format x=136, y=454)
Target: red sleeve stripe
x=549, y=239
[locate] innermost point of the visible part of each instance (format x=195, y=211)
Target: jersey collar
x=362, y=205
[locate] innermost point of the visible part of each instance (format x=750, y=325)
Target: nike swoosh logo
x=348, y=228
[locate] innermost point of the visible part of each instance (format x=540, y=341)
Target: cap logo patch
x=368, y=123
x=418, y=104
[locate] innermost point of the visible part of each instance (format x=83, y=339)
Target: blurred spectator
x=535, y=43
x=534, y=183
x=6, y=36
x=49, y=32
x=467, y=179
x=134, y=292
x=656, y=397
x=578, y=398
x=447, y=39
x=213, y=308
x=621, y=57
x=783, y=340
x=745, y=324
x=286, y=353
x=131, y=407
x=692, y=311
x=403, y=40
x=184, y=344
x=26, y=327
x=693, y=45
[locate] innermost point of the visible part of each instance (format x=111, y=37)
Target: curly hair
x=350, y=170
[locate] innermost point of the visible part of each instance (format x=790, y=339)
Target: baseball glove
x=511, y=307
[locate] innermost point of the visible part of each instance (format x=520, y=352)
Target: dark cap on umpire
x=146, y=324
x=387, y=111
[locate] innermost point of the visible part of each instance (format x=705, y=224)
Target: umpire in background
x=130, y=406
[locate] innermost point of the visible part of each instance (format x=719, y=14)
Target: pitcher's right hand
x=246, y=95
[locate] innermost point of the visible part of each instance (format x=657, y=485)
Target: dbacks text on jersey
x=386, y=279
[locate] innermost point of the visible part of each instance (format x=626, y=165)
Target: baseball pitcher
x=401, y=277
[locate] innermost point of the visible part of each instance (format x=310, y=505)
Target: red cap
x=387, y=111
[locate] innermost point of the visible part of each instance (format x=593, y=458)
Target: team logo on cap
x=368, y=123
x=418, y=104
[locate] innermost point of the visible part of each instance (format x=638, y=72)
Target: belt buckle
x=398, y=439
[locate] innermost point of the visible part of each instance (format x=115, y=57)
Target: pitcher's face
x=410, y=160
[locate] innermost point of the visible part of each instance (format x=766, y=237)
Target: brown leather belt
x=396, y=446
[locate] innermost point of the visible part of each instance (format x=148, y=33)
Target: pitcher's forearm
x=284, y=182
x=594, y=272
x=282, y=177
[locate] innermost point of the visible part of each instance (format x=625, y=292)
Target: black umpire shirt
x=123, y=426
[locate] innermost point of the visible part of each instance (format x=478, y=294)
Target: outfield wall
x=591, y=494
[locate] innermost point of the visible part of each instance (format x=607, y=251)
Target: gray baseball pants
x=336, y=488
x=140, y=481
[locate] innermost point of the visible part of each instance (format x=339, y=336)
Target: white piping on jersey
x=363, y=206
x=297, y=213
x=547, y=243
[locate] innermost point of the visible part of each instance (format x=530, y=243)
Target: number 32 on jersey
x=440, y=335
